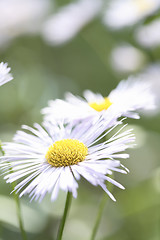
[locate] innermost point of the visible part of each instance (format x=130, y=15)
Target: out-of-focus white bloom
x=149, y=35
x=151, y=75
x=126, y=99
x=69, y=20
x=122, y=13
x=55, y=156
x=19, y=17
x=5, y=76
x=126, y=58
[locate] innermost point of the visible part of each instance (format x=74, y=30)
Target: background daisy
x=122, y=13
x=126, y=99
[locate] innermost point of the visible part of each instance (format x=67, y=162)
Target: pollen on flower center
x=100, y=106
x=66, y=152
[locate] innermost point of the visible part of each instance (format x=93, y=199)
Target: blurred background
x=55, y=46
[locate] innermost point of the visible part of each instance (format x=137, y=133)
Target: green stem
x=66, y=209
x=99, y=215
x=1, y=149
x=102, y=205
x=23, y=234
x=19, y=215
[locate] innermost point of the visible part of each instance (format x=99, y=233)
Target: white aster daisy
x=151, y=74
x=123, y=13
x=17, y=17
x=149, y=35
x=129, y=96
x=69, y=20
x=121, y=54
x=53, y=157
x=5, y=76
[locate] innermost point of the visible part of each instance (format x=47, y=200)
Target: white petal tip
x=124, y=172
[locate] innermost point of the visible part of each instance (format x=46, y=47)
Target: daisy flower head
x=62, y=26
x=120, y=55
x=124, y=13
x=5, y=76
x=14, y=25
x=54, y=156
x=149, y=35
x=126, y=99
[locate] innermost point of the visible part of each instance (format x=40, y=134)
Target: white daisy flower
x=5, y=76
x=149, y=35
x=123, y=13
x=128, y=97
x=69, y=20
x=17, y=18
x=55, y=156
x=151, y=74
x=121, y=54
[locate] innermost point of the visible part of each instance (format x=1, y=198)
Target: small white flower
x=149, y=35
x=120, y=56
x=5, y=76
x=69, y=20
x=123, y=13
x=128, y=97
x=17, y=18
x=151, y=75
x=55, y=156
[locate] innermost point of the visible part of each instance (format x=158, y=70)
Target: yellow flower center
x=66, y=152
x=103, y=105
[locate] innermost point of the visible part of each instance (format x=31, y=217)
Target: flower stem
x=99, y=215
x=1, y=149
x=63, y=220
x=102, y=205
x=23, y=234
